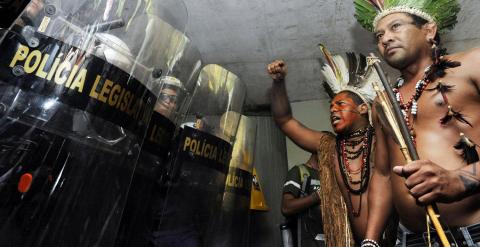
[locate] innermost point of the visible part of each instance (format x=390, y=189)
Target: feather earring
x=435, y=51
x=438, y=69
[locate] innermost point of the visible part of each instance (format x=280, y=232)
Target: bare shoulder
x=467, y=57
x=470, y=62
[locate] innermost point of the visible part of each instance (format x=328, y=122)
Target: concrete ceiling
x=244, y=36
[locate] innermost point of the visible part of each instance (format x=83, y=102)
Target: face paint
x=350, y=110
x=344, y=113
x=354, y=111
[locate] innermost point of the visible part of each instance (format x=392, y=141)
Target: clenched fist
x=277, y=70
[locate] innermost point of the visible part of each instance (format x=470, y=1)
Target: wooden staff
x=394, y=117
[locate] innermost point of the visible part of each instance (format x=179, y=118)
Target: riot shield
x=9, y=10
x=74, y=109
x=193, y=193
x=173, y=93
x=231, y=229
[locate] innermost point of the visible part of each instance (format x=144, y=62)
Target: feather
x=444, y=12
x=342, y=69
x=447, y=116
x=330, y=78
x=331, y=62
x=467, y=148
x=363, y=65
x=328, y=90
x=452, y=114
x=377, y=4
x=354, y=77
x=438, y=69
x=365, y=13
x=442, y=88
x=437, y=53
x=352, y=69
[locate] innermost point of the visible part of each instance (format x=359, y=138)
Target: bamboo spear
x=395, y=119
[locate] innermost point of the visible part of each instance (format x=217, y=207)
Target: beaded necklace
x=364, y=170
x=353, y=154
x=411, y=106
x=437, y=70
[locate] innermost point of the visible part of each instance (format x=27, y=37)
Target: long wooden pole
x=395, y=118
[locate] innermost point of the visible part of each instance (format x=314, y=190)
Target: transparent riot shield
x=173, y=93
x=9, y=10
x=231, y=229
x=74, y=109
x=194, y=192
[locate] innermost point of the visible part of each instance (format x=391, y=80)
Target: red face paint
x=343, y=113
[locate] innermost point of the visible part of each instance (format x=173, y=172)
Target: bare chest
x=446, y=109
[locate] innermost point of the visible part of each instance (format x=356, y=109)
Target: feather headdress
x=442, y=12
x=355, y=76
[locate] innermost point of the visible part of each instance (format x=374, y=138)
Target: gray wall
x=271, y=165
x=314, y=114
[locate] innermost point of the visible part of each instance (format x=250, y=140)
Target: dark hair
x=419, y=22
x=355, y=97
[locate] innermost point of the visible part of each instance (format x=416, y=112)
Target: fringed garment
x=336, y=225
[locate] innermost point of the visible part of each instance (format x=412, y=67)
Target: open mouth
x=335, y=119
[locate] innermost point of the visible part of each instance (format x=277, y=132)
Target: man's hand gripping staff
x=394, y=117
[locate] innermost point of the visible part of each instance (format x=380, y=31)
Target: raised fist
x=277, y=70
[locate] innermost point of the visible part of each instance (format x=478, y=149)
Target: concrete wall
x=271, y=165
x=313, y=114
x=461, y=45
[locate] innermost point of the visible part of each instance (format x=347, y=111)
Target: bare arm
x=470, y=174
x=379, y=189
x=292, y=205
x=282, y=113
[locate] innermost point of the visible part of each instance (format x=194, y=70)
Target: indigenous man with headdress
x=344, y=160
x=439, y=97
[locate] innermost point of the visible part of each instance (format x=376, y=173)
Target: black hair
x=419, y=22
x=355, y=97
